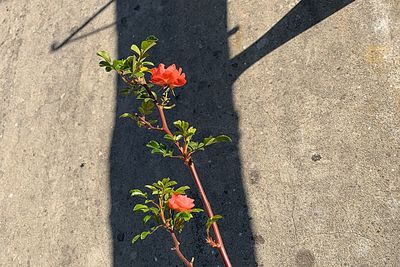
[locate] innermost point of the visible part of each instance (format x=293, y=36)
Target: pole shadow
x=194, y=36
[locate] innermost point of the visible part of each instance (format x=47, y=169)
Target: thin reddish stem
x=210, y=213
x=177, y=249
x=207, y=206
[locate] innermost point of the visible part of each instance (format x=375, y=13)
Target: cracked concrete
x=319, y=145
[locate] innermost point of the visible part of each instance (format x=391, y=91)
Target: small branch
x=171, y=231
x=125, y=79
x=178, y=251
x=160, y=109
x=220, y=244
x=149, y=92
x=148, y=124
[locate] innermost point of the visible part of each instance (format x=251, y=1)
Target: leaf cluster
x=155, y=207
x=186, y=132
x=136, y=65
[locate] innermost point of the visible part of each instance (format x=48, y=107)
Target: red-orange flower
x=170, y=76
x=180, y=203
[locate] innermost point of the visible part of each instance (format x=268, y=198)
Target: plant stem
x=207, y=207
x=203, y=196
x=167, y=226
x=178, y=251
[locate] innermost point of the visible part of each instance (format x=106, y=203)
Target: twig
x=177, y=249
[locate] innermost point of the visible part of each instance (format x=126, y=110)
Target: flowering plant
x=172, y=208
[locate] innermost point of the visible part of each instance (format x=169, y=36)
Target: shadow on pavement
x=194, y=36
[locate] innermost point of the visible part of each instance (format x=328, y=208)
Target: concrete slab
x=310, y=92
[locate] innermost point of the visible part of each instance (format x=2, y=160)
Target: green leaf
x=159, y=148
x=140, y=207
x=197, y=210
x=143, y=235
x=153, y=144
x=117, y=64
x=181, y=125
x=223, y=138
x=211, y=220
x=159, y=185
x=155, y=210
x=136, y=238
x=138, y=74
x=209, y=141
x=169, y=107
x=148, y=63
x=169, y=138
x=147, y=107
x=104, y=64
x=212, y=140
x=181, y=190
x=168, y=190
x=189, y=133
x=149, y=43
x=137, y=192
x=170, y=183
x=185, y=215
x=146, y=218
x=128, y=115
x=136, y=49
x=104, y=55
x=164, y=181
x=152, y=188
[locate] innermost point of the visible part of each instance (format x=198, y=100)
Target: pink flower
x=180, y=203
x=170, y=76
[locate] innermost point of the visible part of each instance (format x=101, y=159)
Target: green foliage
x=187, y=132
x=218, y=139
x=182, y=190
x=134, y=66
x=159, y=148
x=144, y=234
x=137, y=192
x=183, y=126
x=129, y=115
x=141, y=207
x=147, y=107
x=210, y=221
x=148, y=43
x=156, y=210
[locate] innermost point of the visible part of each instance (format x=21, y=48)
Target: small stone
x=259, y=239
x=316, y=157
